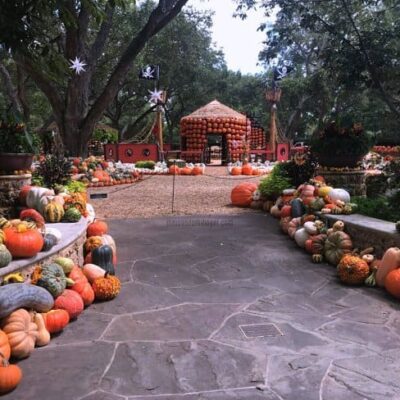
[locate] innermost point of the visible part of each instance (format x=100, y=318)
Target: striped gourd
x=2, y=236
x=53, y=212
x=72, y=215
x=4, y=223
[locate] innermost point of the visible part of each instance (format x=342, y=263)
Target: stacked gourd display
x=57, y=293
x=298, y=211
x=195, y=131
x=95, y=172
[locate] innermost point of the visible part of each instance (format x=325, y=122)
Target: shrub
x=273, y=185
x=145, y=164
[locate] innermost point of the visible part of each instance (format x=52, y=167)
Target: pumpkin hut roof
x=215, y=109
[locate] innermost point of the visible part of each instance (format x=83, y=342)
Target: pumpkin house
x=212, y=127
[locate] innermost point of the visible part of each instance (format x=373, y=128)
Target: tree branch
x=44, y=84
x=101, y=38
x=10, y=89
x=387, y=98
x=159, y=18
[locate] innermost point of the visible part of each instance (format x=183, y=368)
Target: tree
x=354, y=52
x=44, y=35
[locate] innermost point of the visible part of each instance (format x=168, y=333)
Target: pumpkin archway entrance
x=214, y=119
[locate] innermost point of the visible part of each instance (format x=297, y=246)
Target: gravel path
x=207, y=194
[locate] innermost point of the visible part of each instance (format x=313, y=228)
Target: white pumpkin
x=339, y=194
x=310, y=228
x=91, y=213
x=34, y=196
x=301, y=237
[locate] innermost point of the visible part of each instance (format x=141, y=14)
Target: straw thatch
x=215, y=109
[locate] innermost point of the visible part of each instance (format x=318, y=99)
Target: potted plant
x=16, y=146
x=341, y=143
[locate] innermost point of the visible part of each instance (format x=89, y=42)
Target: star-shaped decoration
x=77, y=65
x=156, y=96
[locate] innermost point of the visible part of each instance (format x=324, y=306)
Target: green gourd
x=21, y=295
x=5, y=256
x=72, y=215
x=103, y=257
x=53, y=279
x=66, y=264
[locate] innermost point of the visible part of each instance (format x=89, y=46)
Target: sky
x=239, y=39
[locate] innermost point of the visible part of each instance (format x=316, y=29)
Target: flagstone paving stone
x=191, y=288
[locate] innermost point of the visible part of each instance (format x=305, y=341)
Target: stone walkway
x=216, y=308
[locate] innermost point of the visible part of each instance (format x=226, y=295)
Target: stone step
x=367, y=231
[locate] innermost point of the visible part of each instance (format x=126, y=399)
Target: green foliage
x=105, y=135
x=299, y=170
x=345, y=55
x=54, y=169
x=145, y=164
x=273, y=185
x=75, y=187
x=380, y=207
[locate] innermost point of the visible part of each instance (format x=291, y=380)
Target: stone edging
x=366, y=231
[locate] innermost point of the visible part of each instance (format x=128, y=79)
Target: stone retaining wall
x=367, y=231
x=71, y=245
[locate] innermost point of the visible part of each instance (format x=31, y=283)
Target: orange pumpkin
x=174, y=170
x=186, y=171
x=22, y=242
x=286, y=211
x=56, y=320
x=5, y=348
x=197, y=171
x=71, y=302
x=390, y=261
x=97, y=228
x=247, y=169
x=392, y=282
x=236, y=171
x=242, y=194
x=82, y=286
x=10, y=375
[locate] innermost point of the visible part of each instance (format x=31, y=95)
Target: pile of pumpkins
x=28, y=235
x=298, y=211
x=96, y=172
x=188, y=169
x=247, y=169
x=30, y=312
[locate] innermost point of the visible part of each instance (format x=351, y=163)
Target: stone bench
x=367, y=231
x=71, y=245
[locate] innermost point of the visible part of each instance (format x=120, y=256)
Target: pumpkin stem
x=4, y=361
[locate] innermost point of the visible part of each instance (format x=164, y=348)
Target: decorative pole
x=273, y=96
